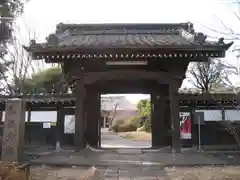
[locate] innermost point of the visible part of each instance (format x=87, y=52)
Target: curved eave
x=44, y=48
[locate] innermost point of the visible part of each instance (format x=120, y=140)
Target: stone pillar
x=175, y=119
x=79, y=114
x=14, y=129
x=159, y=128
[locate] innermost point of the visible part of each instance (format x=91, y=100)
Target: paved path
x=112, y=140
x=130, y=163
x=106, y=159
x=109, y=173
x=116, y=166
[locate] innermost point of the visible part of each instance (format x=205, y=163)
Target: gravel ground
x=136, y=135
x=47, y=173
x=204, y=173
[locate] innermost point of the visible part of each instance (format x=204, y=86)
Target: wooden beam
x=163, y=77
x=208, y=97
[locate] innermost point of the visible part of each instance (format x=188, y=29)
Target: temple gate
x=127, y=58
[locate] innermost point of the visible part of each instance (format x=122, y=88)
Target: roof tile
x=124, y=35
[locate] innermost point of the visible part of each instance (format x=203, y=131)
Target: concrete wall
x=40, y=116
x=215, y=115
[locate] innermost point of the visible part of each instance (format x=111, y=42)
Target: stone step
x=129, y=151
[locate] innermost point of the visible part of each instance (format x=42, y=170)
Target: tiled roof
x=102, y=36
x=184, y=100
x=42, y=98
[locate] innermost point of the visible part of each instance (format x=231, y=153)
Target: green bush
x=148, y=124
x=136, y=121
x=123, y=126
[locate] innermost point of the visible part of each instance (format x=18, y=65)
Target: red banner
x=185, y=125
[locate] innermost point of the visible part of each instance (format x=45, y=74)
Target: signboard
x=69, y=126
x=46, y=125
x=185, y=125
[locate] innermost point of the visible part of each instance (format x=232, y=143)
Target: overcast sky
x=43, y=15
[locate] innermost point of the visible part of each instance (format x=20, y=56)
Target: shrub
x=148, y=124
x=123, y=126
x=136, y=121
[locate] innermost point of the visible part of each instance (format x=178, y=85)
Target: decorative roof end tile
x=33, y=42
x=221, y=41
x=52, y=39
x=190, y=27
x=200, y=38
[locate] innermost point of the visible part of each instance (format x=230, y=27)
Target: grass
x=137, y=136
x=204, y=173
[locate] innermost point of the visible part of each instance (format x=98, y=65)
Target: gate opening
x=125, y=121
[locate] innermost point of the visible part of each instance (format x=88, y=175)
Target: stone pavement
x=109, y=158
x=126, y=164
x=117, y=172
x=127, y=172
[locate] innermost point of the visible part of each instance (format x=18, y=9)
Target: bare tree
x=20, y=63
x=231, y=127
x=223, y=28
x=105, y=102
x=205, y=76
x=113, y=114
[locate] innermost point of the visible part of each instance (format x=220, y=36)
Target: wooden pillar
x=14, y=128
x=194, y=128
x=29, y=115
x=175, y=119
x=104, y=121
x=60, y=127
x=167, y=121
x=93, y=117
x=1, y=116
x=79, y=114
x=159, y=128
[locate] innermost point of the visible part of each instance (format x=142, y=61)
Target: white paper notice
x=46, y=125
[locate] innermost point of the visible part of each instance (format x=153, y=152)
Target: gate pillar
x=93, y=105
x=159, y=126
x=175, y=119
x=79, y=114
